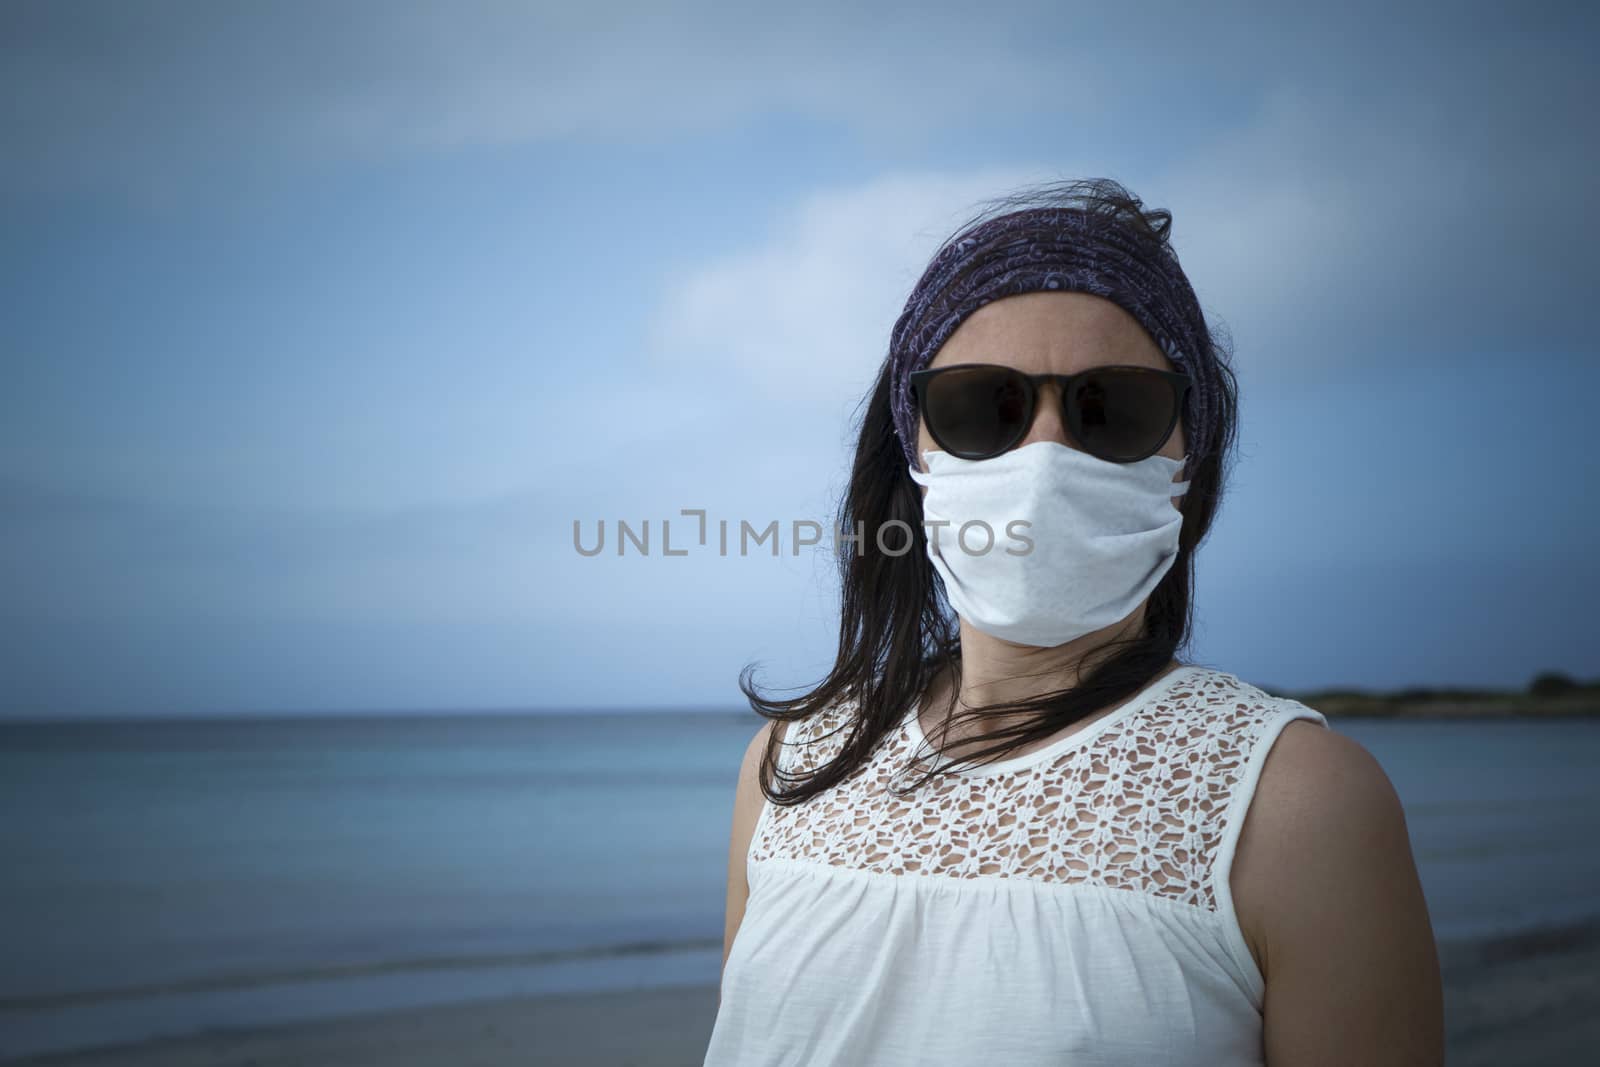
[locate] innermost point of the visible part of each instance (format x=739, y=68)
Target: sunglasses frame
x=1179, y=383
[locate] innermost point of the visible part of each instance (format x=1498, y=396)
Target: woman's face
x=1052, y=333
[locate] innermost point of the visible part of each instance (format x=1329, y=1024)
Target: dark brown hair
x=896, y=629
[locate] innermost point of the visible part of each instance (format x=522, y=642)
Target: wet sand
x=1523, y=1000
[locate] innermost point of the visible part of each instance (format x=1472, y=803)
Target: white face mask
x=1102, y=536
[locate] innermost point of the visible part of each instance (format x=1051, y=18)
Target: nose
x=1048, y=424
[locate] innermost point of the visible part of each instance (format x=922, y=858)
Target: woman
x=1020, y=835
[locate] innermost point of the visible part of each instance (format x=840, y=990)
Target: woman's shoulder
x=1313, y=773
x=1324, y=818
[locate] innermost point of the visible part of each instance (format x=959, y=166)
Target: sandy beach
x=1523, y=1000
x=645, y=1027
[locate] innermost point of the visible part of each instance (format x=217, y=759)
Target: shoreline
x=668, y=1025
x=1530, y=997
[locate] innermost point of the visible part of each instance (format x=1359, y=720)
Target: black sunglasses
x=1119, y=413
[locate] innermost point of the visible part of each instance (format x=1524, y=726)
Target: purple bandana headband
x=1055, y=248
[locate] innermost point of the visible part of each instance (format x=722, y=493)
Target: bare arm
x=1336, y=914
x=747, y=802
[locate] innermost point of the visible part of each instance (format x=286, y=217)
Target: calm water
x=160, y=877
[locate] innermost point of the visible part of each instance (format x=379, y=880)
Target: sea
x=165, y=877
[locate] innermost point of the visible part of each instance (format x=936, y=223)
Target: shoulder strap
x=1260, y=743
x=1279, y=713
x=790, y=735
x=797, y=748
x=810, y=742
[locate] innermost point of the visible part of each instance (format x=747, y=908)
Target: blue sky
x=323, y=322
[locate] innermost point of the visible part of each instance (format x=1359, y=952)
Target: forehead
x=1054, y=331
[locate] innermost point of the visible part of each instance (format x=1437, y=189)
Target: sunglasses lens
x=976, y=412
x=1123, y=414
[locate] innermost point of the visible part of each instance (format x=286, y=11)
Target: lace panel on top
x=1139, y=805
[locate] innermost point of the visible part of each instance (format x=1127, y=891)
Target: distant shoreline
x=1334, y=703
x=1343, y=704
x=1549, y=695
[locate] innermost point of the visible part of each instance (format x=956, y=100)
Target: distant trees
x=1554, y=684
x=1551, y=684
x=1544, y=684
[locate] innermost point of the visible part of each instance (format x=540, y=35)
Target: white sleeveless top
x=1067, y=906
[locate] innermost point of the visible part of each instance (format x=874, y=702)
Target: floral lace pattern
x=1138, y=805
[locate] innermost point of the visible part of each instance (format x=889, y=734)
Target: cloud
x=807, y=312
x=166, y=99
x=1333, y=236
x=174, y=98
x=1321, y=237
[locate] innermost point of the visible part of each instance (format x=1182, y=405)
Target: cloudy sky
x=322, y=323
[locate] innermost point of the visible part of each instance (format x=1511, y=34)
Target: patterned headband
x=1056, y=248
